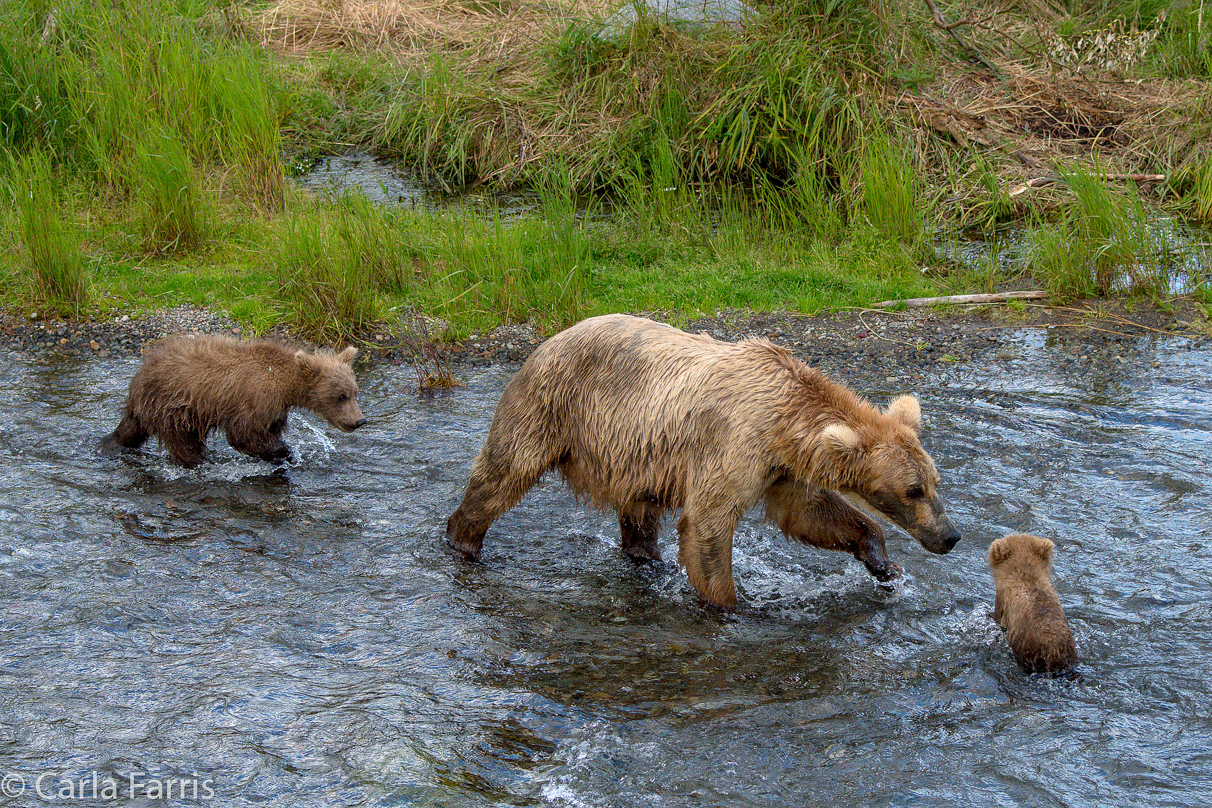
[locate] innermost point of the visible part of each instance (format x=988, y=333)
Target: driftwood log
x=1054, y=178
x=999, y=297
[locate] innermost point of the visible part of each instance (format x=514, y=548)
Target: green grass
x=678, y=171
x=167, y=193
x=55, y=264
x=1102, y=245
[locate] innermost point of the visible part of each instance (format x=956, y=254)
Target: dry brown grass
x=410, y=30
x=1033, y=117
x=1033, y=120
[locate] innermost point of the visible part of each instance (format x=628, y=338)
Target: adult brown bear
x=188, y=387
x=644, y=418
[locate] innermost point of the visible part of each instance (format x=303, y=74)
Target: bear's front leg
x=705, y=551
x=871, y=551
x=130, y=434
x=825, y=519
x=263, y=445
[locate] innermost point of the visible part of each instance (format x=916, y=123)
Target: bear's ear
x=999, y=551
x=840, y=438
x=908, y=411
x=347, y=355
x=1043, y=548
x=304, y=360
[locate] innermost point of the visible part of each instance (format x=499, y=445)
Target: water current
x=241, y=636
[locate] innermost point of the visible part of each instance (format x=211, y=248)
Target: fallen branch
x=1053, y=178
x=949, y=27
x=999, y=297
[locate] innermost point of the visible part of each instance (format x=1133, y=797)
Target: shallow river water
x=235, y=636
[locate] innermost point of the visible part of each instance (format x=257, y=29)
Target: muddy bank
x=836, y=341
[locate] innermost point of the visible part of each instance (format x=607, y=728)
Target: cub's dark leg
x=186, y=446
x=825, y=519
x=265, y=445
x=638, y=527
x=130, y=434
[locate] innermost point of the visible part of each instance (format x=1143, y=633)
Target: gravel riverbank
x=833, y=341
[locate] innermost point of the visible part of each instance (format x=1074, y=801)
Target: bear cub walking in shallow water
x=187, y=387
x=1027, y=606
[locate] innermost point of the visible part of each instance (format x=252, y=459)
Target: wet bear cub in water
x=187, y=387
x=1027, y=606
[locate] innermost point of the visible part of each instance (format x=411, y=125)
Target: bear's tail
x=130, y=434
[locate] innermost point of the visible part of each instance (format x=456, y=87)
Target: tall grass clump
x=480, y=271
x=34, y=104
x=560, y=257
x=344, y=264
x=1103, y=244
x=247, y=114
x=1201, y=193
x=168, y=193
x=445, y=123
x=50, y=235
x=790, y=96
x=890, y=196
x=325, y=281
x=134, y=68
x=1189, y=33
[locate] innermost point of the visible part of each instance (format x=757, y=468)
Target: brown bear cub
x=188, y=387
x=1027, y=606
x=644, y=418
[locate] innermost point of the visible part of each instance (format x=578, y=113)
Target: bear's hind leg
x=185, y=446
x=498, y=481
x=638, y=528
x=130, y=434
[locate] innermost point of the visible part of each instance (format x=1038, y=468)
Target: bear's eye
x=341, y=397
x=915, y=492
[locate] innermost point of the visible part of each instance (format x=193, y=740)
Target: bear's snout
x=941, y=539
x=349, y=426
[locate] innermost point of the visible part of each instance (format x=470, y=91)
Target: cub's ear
x=1043, y=548
x=840, y=438
x=304, y=360
x=347, y=355
x=999, y=551
x=908, y=411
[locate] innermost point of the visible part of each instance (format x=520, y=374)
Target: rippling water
x=303, y=637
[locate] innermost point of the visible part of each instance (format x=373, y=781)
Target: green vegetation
x=809, y=159
x=49, y=233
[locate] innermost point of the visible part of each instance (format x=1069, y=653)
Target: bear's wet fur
x=187, y=387
x=645, y=418
x=1027, y=605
